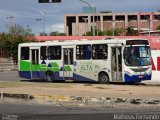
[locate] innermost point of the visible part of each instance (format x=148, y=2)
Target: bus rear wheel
x=103, y=78
x=49, y=76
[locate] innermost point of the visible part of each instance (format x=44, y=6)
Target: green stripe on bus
x=24, y=65
x=43, y=69
x=35, y=67
x=54, y=64
x=49, y=68
x=67, y=68
x=55, y=69
x=43, y=66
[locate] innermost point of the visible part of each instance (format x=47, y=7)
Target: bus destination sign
x=137, y=42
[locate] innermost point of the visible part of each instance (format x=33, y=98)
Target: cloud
x=25, y=12
x=58, y=27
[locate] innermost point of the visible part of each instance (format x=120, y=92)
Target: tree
x=56, y=33
x=98, y=33
x=117, y=32
x=17, y=34
x=130, y=31
x=62, y=34
x=42, y=34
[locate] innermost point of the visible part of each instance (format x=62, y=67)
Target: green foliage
x=130, y=31
x=42, y=34
x=9, y=41
x=117, y=32
x=56, y=33
x=88, y=34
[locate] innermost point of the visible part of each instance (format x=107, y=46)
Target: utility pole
x=44, y=21
x=85, y=20
x=149, y=21
x=113, y=27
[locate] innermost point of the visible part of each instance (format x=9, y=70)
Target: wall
x=156, y=65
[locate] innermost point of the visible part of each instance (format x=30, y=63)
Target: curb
x=82, y=101
x=18, y=96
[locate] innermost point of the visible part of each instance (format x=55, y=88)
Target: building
x=79, y=24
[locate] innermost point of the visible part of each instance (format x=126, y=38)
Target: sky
x=25, y=12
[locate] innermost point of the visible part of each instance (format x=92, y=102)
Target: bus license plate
x=141, y=76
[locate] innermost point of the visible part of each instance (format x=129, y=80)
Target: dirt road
x=81, y=89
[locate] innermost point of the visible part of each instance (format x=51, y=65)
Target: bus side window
x=24, y=53
x=54, y=52
x=83, y=52
x=44, y=53
x=100, y=51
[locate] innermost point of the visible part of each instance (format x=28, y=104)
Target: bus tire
x=103, y=78
x=49, y=76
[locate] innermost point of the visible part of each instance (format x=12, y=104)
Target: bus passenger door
x=116, y=64
x=67, y=63
x=34, y=67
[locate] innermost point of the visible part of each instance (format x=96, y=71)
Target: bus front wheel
x=103, y=78
x=49, y=76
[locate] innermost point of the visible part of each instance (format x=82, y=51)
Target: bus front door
x=116, y=64
x=67, y=63
x=34, y=67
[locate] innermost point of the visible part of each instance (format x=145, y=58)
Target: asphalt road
x=10, y=76
x=14, y=76
x=43, y=112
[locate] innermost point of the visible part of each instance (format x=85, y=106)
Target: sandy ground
x=84, y=89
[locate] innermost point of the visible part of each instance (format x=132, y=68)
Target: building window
x=99, y=51
x=83, y=52
x=44, y=53
x=54, y=52
x=24, y=53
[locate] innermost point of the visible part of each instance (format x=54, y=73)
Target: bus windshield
x=137, y=56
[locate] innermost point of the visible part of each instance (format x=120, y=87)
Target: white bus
x=103, y=61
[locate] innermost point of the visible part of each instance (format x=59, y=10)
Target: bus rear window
x=24, y=53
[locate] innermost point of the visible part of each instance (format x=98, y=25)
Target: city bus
x=103, y=61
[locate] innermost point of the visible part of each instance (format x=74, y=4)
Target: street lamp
x=93, y=12
x=38, y=21
x=9, y=22
x=9, y=31
x=44, y=20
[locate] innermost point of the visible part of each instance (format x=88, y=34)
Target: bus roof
x=77, y=42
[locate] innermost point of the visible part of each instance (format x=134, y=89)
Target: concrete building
x=78, y=24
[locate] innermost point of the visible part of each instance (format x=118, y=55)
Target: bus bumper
x=136, y=78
